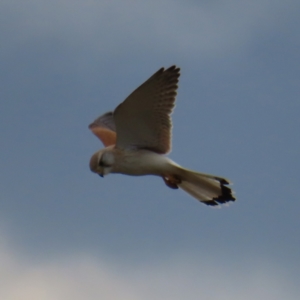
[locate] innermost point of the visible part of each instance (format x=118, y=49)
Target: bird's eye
x=102, y=164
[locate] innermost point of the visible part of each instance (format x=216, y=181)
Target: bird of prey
x=137, y=135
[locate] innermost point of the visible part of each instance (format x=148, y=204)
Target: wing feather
x=143, y=119
x=105, y=129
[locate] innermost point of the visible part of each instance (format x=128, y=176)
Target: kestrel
x=137, y=135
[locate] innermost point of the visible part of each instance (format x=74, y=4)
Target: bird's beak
x=101, y=175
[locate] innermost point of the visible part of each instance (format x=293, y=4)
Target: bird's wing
x=105, y=129
x=143, y=120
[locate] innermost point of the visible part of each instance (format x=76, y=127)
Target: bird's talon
x=172, y=181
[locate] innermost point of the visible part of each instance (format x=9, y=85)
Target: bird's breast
x=140, y=162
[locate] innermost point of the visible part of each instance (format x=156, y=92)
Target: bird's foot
x=172, y=181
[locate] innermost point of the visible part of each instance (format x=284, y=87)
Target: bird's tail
x=208, y=189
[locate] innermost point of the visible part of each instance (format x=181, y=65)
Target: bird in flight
x=137, y=135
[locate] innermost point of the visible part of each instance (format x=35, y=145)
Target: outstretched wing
x=105, y=129
x=143, y=119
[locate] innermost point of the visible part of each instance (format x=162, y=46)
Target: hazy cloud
x=82, y=276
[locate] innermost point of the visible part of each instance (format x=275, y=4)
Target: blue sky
x=65, y=232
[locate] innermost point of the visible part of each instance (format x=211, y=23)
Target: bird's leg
x=172, y=181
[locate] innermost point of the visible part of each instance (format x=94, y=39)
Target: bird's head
x=102, y=162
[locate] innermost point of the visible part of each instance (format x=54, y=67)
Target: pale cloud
x=83, y=276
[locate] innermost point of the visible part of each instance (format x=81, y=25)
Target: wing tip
x=173, y=69
x=92, y=125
